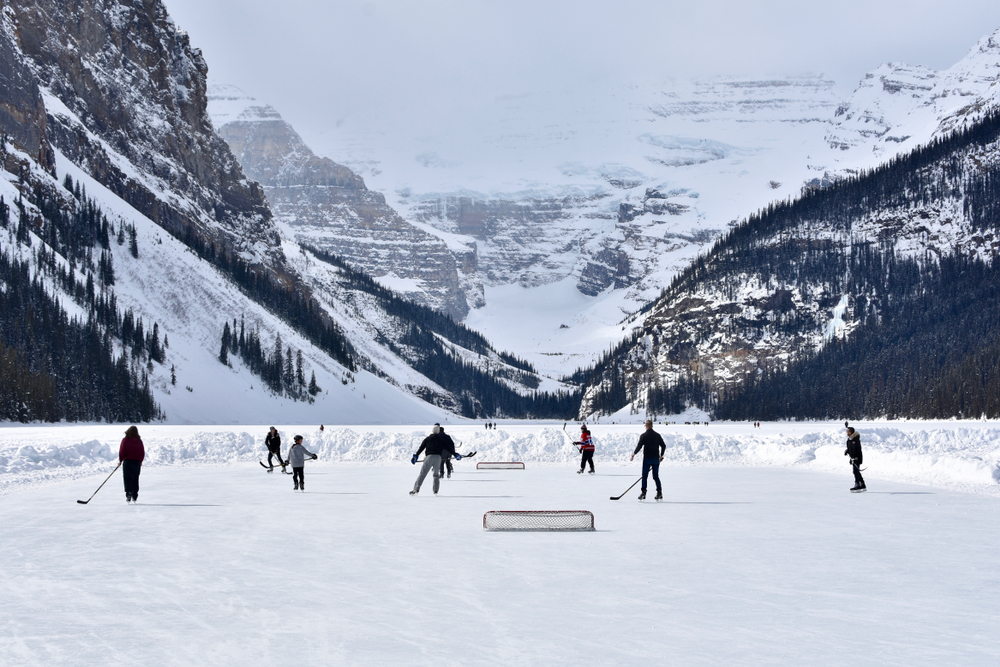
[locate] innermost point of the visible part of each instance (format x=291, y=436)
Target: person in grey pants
x=297, y=458
x=433, y=446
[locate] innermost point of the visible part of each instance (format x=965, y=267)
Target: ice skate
x=591, y=472
x=642, y=495
x=414, y=492
x=580, y=471
x=659, y=495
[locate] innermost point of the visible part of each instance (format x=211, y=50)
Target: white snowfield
x=757, y=556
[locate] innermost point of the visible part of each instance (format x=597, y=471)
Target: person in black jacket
x=273, y=442
x=432, y=447
x=854, y=451
x=653, y=448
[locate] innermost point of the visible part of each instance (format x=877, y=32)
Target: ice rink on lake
x=226, y=565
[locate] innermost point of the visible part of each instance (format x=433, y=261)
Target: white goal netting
x=539, y=520
x=499, y=465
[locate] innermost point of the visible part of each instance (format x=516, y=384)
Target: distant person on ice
x=432, y=447
x=297, y=457
x=653, y=449
x=586, y=445
x=130, y=456
x=854, y=451
x=273, y=442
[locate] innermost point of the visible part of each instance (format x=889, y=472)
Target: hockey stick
x=626, y=490
x=84, y=502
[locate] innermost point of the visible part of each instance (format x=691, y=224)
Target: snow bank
x=948, y=455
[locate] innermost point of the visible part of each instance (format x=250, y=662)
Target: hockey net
x=499, y=465
x=539, y=520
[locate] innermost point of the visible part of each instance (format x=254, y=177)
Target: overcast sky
x=321, y=60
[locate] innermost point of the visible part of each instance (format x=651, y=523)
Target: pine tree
x=133, y=243
x=313, y=387
x=224, y=350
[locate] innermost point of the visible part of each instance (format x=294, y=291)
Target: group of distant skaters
x=439, y=449
x=653, y=448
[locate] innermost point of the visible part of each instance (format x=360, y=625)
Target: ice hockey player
x=273, y=442
x=586, y=445
x=432, y=447
x=297, y=458
x=130, y=456
x=653, y=449
x=854, y=451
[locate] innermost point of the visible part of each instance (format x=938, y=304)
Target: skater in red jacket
x=130, y=456
x=586, y=446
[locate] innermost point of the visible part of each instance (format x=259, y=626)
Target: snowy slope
x=191, y=301
x=553, y=191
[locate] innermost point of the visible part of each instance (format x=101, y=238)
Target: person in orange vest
x=586, y=445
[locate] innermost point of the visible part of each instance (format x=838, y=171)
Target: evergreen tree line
x=286, y=300
x=935, y=354
x=480, y=393
x=423, y=316
x=282, y=371
x=789, y=243
x=61, y=367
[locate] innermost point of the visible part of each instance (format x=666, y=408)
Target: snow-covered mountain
x=573, y=210
x=325, y=205
x=108, y=150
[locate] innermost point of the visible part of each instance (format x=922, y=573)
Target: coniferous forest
x=54, y=366
x=926, y=326
x=481, y=393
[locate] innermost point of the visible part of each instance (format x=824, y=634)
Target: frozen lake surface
x=748, y=563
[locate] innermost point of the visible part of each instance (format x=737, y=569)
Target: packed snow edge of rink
x=953, y=455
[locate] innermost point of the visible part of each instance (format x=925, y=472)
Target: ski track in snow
x=960, y=456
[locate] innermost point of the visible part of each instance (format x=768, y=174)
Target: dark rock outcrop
x=125, y=96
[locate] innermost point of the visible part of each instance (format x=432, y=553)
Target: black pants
x=858, y=479
x=654, y=465
x=588, y=456
x=446, y=463
x=274, y=452
x=298, y=476
x=130, y=473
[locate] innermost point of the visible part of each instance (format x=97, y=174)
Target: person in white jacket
x=297, y=459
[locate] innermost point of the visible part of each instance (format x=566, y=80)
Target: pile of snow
x=962, y=456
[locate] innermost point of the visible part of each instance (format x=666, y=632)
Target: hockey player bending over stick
x=432, y=447
x=653, y=449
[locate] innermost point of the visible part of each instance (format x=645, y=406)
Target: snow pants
x=858, y=479
x=299, y=477
x=431, y=462
x=588, y=456
x=130, y=473
x=654, y=465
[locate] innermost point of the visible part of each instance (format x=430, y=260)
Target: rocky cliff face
x=325, y=205
x=124, y=95
x=747, y=307
x=22, y=113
